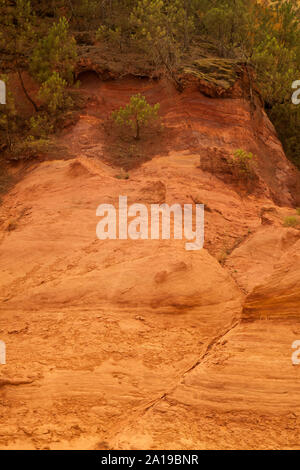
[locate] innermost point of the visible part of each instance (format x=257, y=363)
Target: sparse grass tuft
x=291, y=221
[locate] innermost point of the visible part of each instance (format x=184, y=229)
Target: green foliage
x=31, y=148
x=277, y=61
x=137, y=114
x=243, y=163
x=227, y=22
x=163, y=30
x=286, y=117
x=55, y=101
x=55, y=53
x=53, y=94
x=84, y=13
x=291, y=221
x=50, y=60
x=158, y=20
x=114, y=36
x=151, y=25
x=40, y=126
x=16, y=32
x=52, y=64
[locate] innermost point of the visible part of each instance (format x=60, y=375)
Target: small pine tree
x=52, y=64
x=136, y=114
x=17, y=36
x=55, y=52
x=52, y=93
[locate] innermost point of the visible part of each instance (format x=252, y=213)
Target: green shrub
x=244, y=163
x=31, y=148
x=40, y=126
x=291, y=221
x=53, y=94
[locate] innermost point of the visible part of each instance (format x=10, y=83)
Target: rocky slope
x=142, y=344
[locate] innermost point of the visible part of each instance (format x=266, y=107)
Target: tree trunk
x=137, y=137
x=26, y=92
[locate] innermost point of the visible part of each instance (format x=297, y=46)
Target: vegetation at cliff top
x=39, y=38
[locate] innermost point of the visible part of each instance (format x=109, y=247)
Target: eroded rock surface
x=141, y=344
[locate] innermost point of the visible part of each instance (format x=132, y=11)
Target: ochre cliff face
x=141, y=344
x=279, y=296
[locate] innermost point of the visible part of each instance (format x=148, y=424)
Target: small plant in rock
x=243, y=163
x=136, y=114
x=222, y=257
x=298, y=210
x=291, y=221
x=123, y=175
